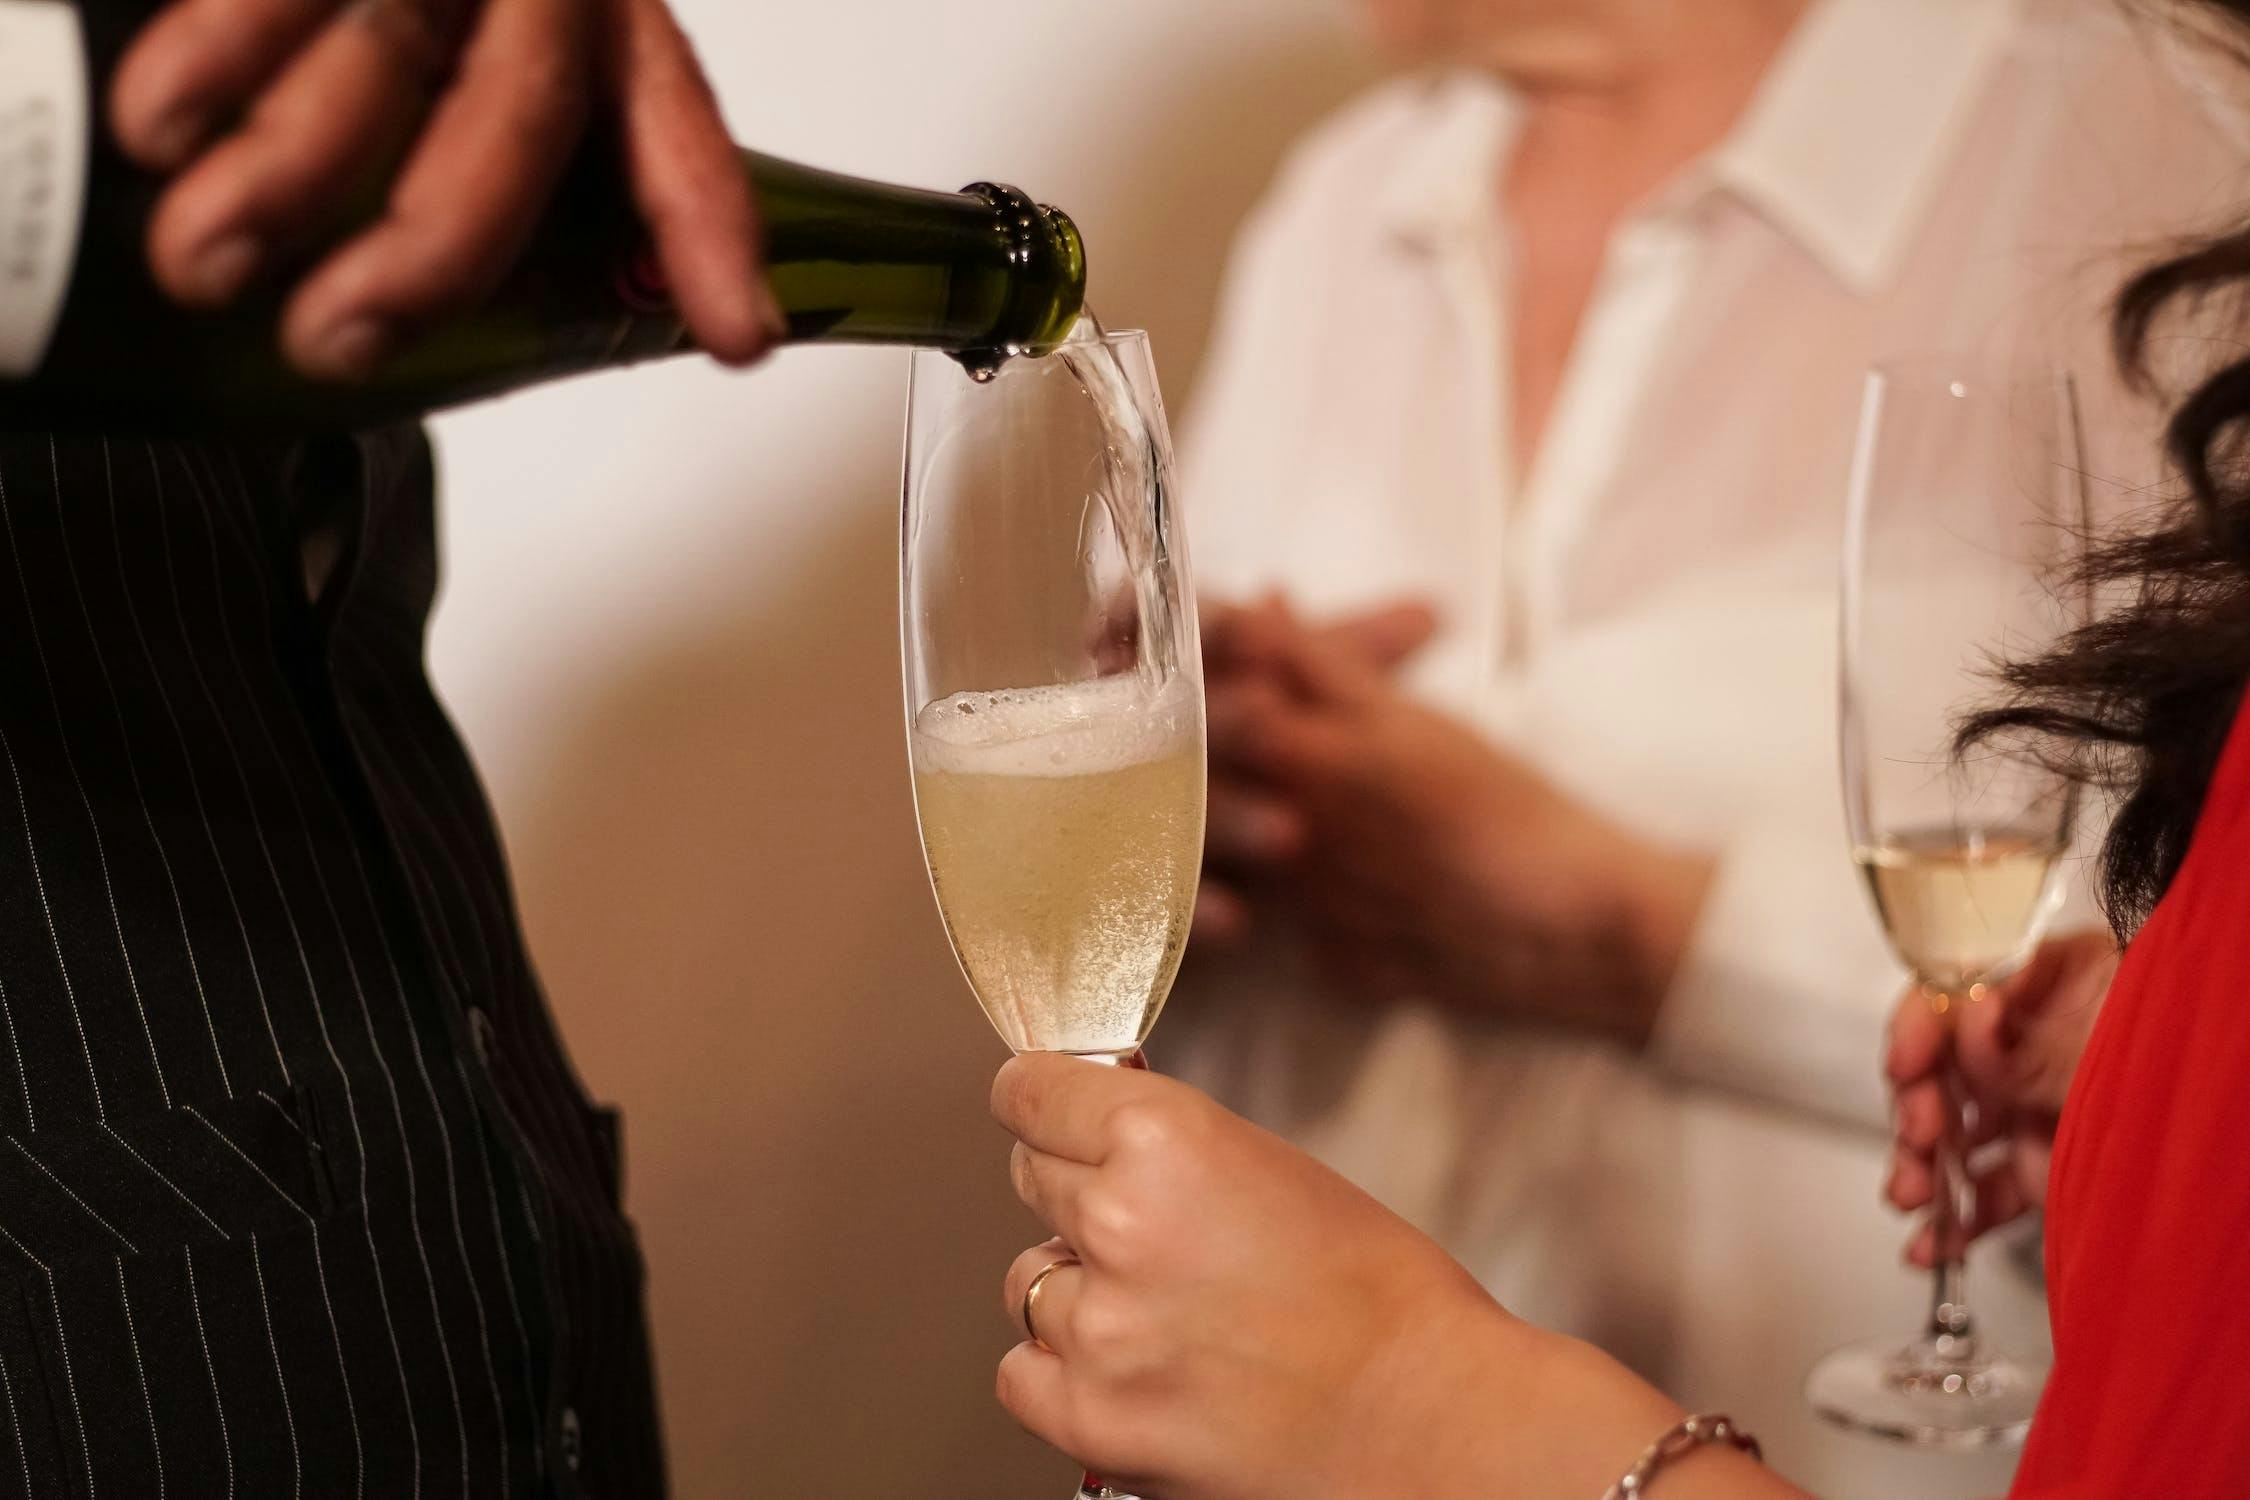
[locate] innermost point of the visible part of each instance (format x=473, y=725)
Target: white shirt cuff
x=1786, y=989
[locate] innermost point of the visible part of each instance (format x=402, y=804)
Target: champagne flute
x=1966, y=512
x=1054, y=691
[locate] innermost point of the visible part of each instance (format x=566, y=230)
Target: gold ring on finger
x=1031, y=1296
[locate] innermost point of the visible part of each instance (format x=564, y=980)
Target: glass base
x=1927, y=1396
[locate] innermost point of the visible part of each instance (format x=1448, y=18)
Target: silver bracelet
x=1680, y=1441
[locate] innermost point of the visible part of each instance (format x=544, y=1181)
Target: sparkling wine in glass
x=1054, y=690
x=1063, y=828
x=1965, y=517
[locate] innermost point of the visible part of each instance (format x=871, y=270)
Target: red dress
x=2148, y=1219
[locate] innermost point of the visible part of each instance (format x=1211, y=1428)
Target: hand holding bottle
x=280, y=116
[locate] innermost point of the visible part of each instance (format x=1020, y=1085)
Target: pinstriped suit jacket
x=298, y=1194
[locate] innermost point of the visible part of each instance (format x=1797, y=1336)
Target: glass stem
x=1091, y=1487
x=1952, y=1330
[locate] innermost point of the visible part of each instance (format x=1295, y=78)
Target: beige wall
x=669, y=633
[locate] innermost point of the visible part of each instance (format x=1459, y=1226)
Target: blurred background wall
x=669, y=633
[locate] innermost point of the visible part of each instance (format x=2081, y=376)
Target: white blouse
x=1649, y=620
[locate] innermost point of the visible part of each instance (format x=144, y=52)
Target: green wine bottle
x=86, y=339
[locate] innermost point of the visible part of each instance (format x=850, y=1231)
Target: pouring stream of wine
x=1136, y=470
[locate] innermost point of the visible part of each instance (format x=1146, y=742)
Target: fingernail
x=224, y=267
x=771, y=318
x=1275, y=834
x=349, y=350
x=177, y=135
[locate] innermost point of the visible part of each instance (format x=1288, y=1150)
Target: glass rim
x=1942, y=368
x=1108, y=337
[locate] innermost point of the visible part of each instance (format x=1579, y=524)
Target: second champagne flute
x=1054, y=691
x=1966, y=516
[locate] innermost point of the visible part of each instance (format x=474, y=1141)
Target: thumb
x=1316, y=663
x=2020, y=1042
x=1388, y=634
x=2067, y=972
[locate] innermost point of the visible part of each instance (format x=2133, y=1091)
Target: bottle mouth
x=1047, y=259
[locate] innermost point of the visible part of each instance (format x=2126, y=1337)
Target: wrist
x=1551, y=1418
x=1664, y=892
x=1594, y=941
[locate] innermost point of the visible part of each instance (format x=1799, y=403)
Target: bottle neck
x=853, y=261
x=984, y=273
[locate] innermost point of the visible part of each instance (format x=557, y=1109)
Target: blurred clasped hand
x=2017, y=1048
x=1425, y=860
x=278, y=121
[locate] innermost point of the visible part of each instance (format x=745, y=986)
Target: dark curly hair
x=2141, y=700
